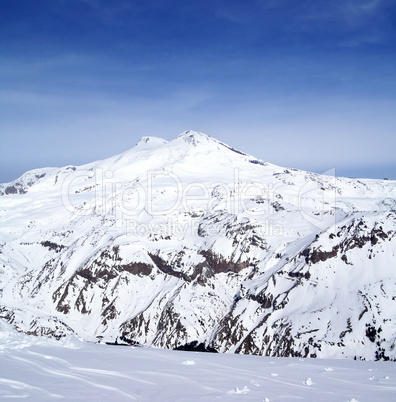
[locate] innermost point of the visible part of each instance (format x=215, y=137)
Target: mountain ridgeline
x=193, y=244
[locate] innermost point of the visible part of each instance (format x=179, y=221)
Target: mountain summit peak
x=195, y=137
x=192, y=133
x=151, y=141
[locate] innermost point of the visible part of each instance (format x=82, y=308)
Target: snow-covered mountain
x=189, y=242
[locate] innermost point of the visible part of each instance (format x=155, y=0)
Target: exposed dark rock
x=109, y=313
x=266, y=300
x=7, y=314
x=371, y=332
x=218, y=264
x=11, y=190
x=62, y=306
x=305, y=275
x=194, y=346
x=362, y=313
x=258, y=162
x=80, y=303
x=53, y=246
x=93, y=277
x=315, y=255
x=348, y=330
x=282, y=344
x=165, y=267
x=136, y=268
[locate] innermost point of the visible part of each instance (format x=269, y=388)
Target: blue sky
x=309, y=84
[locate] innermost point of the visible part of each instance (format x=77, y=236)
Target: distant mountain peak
x=151, y=141
x=195, y=137
x=192, y=133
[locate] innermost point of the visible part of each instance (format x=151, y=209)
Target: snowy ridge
x=190, y=240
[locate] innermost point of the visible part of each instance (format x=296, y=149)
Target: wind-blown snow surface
x=45, y=370
x=193, y=241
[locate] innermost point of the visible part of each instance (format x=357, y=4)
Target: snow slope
x=193, y=241
x=45, y=370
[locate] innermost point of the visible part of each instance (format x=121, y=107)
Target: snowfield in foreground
x=41, y=369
